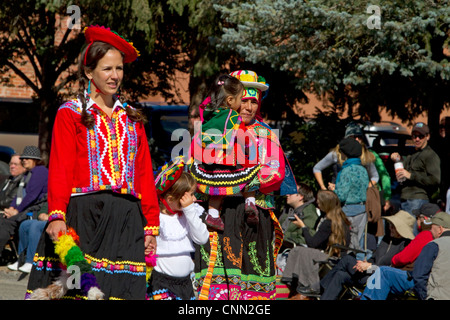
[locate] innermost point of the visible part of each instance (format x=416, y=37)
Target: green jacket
x=292, y=233
x=385, y=178
x=425, y=168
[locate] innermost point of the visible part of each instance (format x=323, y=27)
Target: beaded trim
x=57, y=215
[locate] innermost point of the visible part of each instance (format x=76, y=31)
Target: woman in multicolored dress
x=239, y=263
x=101, y=181
x=220, y=163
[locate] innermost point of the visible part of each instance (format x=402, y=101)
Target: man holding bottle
x=421, y=172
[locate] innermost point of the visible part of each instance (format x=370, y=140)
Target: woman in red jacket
x=100, y=177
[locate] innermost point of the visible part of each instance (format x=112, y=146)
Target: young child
x=180, y=228
x=221, y=163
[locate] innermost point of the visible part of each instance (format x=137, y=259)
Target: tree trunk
x=49, y=104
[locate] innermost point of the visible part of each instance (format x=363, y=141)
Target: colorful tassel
x=70, y=254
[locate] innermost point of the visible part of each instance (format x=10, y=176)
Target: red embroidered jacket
x=113, y=155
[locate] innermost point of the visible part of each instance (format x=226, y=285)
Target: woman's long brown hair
x=97, y=51
x=329, y=203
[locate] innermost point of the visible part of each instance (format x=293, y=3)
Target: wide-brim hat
x=169, y=174
x=404, y=223
x=250, y=79
x=103, y=34
x=31, y=152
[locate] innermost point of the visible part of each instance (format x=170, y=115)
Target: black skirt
x=244, y=267
x=164, y=287
x=111, y=231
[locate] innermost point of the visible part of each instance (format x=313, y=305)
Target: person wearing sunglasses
x=422, y=170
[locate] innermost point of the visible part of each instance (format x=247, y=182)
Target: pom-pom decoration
x=70, y=254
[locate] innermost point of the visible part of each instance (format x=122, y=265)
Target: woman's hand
x=298, y=222
x=150, y=245
x=55, y=227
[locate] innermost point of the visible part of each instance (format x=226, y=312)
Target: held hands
x=150, y=245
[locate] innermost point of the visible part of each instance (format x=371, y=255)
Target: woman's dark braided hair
x=96, y=52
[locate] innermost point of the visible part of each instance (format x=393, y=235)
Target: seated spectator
x=31, y=194
x=30, y=232
x=301, y=272
x=395, y=279
x=430, y=274
x=350, y=271
x=8, y=188
x=302, y=205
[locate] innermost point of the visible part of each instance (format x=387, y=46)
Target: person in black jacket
x=302, y=272
x=9, y=186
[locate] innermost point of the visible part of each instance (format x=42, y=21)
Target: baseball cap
x=441, y=219
x=421, y=127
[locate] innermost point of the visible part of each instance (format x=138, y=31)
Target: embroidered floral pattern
x=254, y=260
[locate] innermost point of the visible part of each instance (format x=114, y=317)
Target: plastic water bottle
x=397, y=166
x=30, y=215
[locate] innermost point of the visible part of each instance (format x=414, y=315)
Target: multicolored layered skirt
x=111, y=233
x=215, y=179
x=239, y=263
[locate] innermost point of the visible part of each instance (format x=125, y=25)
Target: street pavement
x=13, y=284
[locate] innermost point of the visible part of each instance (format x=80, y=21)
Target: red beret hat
x=100, y=33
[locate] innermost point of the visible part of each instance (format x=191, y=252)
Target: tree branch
x=30, y=56
x=23, y=76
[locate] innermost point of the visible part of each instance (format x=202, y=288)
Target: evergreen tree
x=386, y=54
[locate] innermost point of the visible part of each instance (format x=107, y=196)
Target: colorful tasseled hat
x=250, y=79
x=254, y=85
x=169, y=174
x=100, y=33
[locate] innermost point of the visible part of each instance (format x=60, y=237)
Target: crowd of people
x=207, y=226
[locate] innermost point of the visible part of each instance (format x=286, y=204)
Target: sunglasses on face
x=420, y=136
